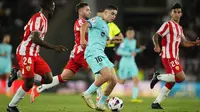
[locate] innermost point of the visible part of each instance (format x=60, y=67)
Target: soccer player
x=27, y=53
x=127, y=66
x=5, y=61
x=95, y=56
x=172, y=36
x=115, y=37
x=76, y=60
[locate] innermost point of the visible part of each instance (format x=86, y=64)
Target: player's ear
x=181, y=14
x=170, y=13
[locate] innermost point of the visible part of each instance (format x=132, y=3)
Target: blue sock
x=103, y=99
x=91, y=89
x=135, y=92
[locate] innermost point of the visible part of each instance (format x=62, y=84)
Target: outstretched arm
x=36, y=39
x=155, y=38
x=83, y=31
x=186, y=43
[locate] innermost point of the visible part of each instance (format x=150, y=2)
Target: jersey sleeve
x=164, y=29
x=121, y=50
x=114, y=29
x=93, y=22
x=36, y=24
x=78, y=24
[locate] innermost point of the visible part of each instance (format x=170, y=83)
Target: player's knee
x=27, y=86
x=180, y=79
x=48, y=80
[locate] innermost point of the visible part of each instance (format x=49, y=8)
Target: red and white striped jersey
x=78, y=51
x=39, y=23
x=171, y=33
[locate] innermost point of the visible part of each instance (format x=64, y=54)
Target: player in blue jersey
x=94, y=54
x=5, y=60
x=127, y=66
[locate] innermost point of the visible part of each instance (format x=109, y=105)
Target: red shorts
x=75, y=64
x=172, y=65
x=29, y=65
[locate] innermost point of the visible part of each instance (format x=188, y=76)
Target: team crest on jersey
x=102, y=34
x=28, y=68
x=93, y=20
x=177, y=68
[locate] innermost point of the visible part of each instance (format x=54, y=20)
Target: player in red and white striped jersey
x=172, y=36
x=28, y=56
x=76, y=60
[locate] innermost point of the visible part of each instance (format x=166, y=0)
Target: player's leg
x=176, y=76
x=135, y=90
x=41, y=68
x=28, y=77
x=112, y=81
x=69, y=71
x=63, y=77
x=99, y=90
x=162, y=95
x=109, y=86
x=166, y=89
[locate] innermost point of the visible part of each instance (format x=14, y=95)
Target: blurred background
x=145, y=16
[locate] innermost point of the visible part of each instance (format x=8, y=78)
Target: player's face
x=130, y=34
x=110, y=15
x=86, y=12
x=176, y=14
x=52, y=9
x=6, y=39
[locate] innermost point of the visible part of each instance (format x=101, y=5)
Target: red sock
x=60, y=78
x=42, y=81
x=169, y=85
x=24, y=88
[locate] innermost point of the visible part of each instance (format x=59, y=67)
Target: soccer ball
x=115, y=104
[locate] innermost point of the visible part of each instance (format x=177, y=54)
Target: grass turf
x=74, y=103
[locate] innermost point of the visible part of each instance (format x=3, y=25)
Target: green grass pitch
x=74, y=103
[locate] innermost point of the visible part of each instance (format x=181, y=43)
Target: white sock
x=18, y=96
x=47, y=86
x=37, y=79
x=19, y=75
x=7, y=88
x=166, y=77
x=163, y=94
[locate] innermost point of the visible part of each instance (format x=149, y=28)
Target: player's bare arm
x=155, y=38
x=117, y=39
x=3, y=54
x=83, y=31
x=186, y=43
x=37, y=40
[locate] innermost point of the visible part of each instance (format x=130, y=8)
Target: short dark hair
x=45, y=4
x=129, y=28
x=101, y=10
x=81, y=5
x=111, y=7
x=176, y=6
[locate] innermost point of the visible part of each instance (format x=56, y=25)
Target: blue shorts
x=98, y=62
x=127, y=71
x=5, y=68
